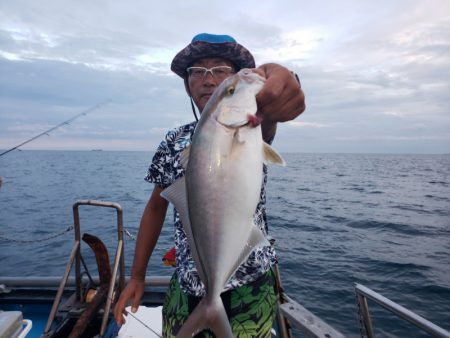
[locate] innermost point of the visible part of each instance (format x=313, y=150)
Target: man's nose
x=209, y=78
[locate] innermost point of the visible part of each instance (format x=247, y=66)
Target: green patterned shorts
x=251, y=308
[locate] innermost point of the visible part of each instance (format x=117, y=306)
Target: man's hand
x=280, y=100
x=134, y=291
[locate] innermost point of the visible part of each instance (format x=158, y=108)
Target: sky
x=376, y=74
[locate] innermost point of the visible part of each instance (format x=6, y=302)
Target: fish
x=218, y=195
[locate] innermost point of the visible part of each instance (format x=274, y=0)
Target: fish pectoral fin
x=176, y=194
x=255, y=239
x=272, y=156
x=184, y=156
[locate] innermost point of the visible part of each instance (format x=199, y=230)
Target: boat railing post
x=364, y=311
x=109, y=299
x=285, y=331
x=62, y=285
x=120, y=240
x=119, y=264
x=76, y=221
x=119, y=260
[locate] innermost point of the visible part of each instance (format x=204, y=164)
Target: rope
x=43, y=239
x=86, y=270
x=130, y=236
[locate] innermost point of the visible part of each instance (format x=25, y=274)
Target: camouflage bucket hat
x=211, y=45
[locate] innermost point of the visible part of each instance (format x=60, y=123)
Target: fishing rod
x=67, y=122
x=145, y=325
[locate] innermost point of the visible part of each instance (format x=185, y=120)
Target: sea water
x=338, y=219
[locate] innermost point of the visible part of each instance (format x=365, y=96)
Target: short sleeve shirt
x=163, y=171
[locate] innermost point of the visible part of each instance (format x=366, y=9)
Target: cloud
x=302, y=124
x=377, y=72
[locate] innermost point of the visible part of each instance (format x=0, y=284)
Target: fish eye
x=230, y=90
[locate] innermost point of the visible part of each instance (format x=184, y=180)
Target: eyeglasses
x=218, y=72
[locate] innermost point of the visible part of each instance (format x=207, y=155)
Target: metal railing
x=305, y=321
x=363, y=293
x=41, y=282
x=119, y=264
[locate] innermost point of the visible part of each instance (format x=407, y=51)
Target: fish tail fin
x=207, y=314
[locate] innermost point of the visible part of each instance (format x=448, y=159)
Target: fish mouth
x=251, y=121
x=254, y=120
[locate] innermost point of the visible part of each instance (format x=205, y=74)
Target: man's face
x=202, y=87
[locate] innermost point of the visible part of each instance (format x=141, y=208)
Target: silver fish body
x=219, y=193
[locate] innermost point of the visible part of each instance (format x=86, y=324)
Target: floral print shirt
x=163, y=171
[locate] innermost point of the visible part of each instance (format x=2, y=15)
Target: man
x=203, y=65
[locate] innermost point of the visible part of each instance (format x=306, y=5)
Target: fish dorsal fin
x=176, y=194
x=272, y=156
x=184, y=156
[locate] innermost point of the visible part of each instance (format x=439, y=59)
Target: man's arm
x=280, y=100
x=149, y=230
